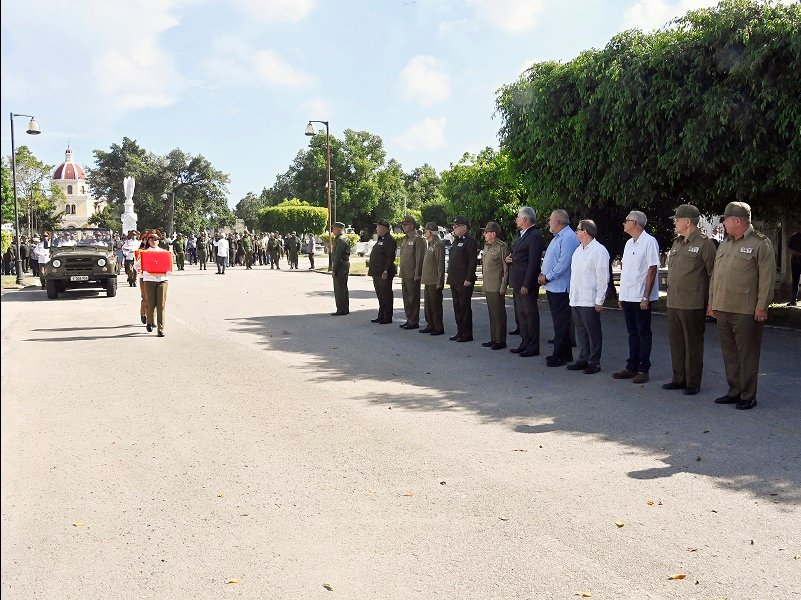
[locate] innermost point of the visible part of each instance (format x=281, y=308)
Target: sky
x=238, y=80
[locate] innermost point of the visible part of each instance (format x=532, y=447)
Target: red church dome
x=68, y=169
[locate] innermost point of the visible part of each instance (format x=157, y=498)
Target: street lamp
x=310, y=132
x=171, y=218
x=333, y=181
x=33, y=129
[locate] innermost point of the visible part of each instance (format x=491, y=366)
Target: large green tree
x=705, y=110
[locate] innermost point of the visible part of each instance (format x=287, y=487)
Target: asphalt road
x=269, y=445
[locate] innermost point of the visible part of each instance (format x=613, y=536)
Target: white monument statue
x=128, y=217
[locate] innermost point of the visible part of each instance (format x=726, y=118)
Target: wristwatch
x=644, y=299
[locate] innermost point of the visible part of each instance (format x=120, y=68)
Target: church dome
x=69, y=170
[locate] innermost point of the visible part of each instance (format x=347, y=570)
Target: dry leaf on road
x=79, y=524
x=584, y=594
x=619, y=523
x=232, y=580
x=408, y=494
x=677, y=576
x=329, y=587
x=649, y=502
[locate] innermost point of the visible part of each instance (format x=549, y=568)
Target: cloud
x=653, y=14
x=424, y=81
x=511, y=16
x=316, y=108
x=275, y=11
x=429, y=134
x=235, y=64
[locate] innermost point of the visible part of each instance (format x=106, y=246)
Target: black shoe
x=726, y=399
x=412, y=327
x=592, y=369
x=403, y=325
x=144, y=319
x=691, y=391
x=426, y=330
x=746, y=404
x=577, y=366
x=375, y=320
x=792, y=303
x=465, y=339
x=550, y=341
x=149, y=327
x=672, y=386
x=528, y=353
x=161, y=333
x=454, y=338
x=338, y=314
x=437, y=333
x=517, y=350
x=498, y=346
x=515, y=332
x=488, y=344
x=385, y=322
x=552, y=361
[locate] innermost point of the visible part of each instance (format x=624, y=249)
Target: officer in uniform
x=739, y=296
x=292, y=247
x=202, y=247
x=462, y=278
x=179, y=247
x=433, y=278
x=382, y=270
x=494, y=271
x=274, y=248
x=340, y=267
x=247, y=246
x=413, y=249
x=690, y=264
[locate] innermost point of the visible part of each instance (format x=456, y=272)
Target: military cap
x=409, y=220
x=737, y=209
x=339, y=224
x=152, y=234
x=294, y=233
x=431, y=226
x=383, y=222
x=460, y=220
x=493, y=226
x=687, y=211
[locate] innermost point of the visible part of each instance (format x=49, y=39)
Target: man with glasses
x=639, y=287
x=690, y=263
x=739, y=296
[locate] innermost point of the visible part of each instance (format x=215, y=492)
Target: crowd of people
x=731, y=282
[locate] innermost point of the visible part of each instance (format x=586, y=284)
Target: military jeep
x=81, y=258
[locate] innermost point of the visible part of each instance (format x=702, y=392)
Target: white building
x=79, y=206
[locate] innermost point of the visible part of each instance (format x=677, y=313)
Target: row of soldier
x=732, y=283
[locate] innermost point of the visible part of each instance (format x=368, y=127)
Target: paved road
x=266, y=442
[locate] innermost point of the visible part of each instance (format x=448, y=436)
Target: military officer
x=247, y=246
x=179, y=248
x=739, y=296
x=382, y=270
x=462, y=278
x=690, y=263
x=413, y=249
x=494, y=271
x=202, y=247
x=274, y=248
x=292, y=247
x=433, y=278
x=340, y=267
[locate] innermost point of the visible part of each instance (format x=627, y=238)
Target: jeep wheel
x=52, y=290
x=111, y=287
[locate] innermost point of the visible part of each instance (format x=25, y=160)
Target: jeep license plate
x=79, y=278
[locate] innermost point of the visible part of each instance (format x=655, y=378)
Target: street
x=264, y=449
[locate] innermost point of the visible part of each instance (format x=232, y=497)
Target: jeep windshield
x=63, y=238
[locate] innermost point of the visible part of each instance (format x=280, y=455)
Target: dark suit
x=461, y=268
x=523, y=272
x=382, y=258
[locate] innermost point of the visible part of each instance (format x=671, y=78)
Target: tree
x=436, y=211
x=294, y=215
x=423, y=186
x=7, y=204
x=248, y=208
x=392, y=197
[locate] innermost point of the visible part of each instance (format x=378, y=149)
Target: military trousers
x=528, y=316
x=588, y=334
x=740, y=342
x=383, y=291
x=129, y=270
x=341, y=296
x=559, y=303
x=156, y=295
x=201, y=261
x=496, y=306
x=795, y=267
x=433, y=308
x=249, y=259
x=142, y=298
x=463, y=309
x=411, y=300
x=180, y=257
x=275, y=257
x=686, y=336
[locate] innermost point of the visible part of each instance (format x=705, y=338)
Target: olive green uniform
x=494, y=270
x=292, y=247
x=433, y=278
x=413, y=249
x=201, y=253
x=179, y=247
x=340, y=267
x=742, y=282
x=690, y=264
x=247, y=246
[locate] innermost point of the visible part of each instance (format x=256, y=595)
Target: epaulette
x=761, y=236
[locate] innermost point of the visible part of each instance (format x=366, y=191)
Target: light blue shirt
x=556, y=265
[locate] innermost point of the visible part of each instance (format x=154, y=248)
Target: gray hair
x=589, y=226
x=528, y=212
x=561, y=216
x=695, y=221
x=639, y=217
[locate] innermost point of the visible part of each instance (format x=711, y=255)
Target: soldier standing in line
x=292, y=250
x=494, y=271
x=275, y=251
x=739, y=296
x=462, y=278
x=340, y=267
x=690, y=263
x=413, y=249
x=179, y=247
x=201, y=251
x=433, y=278
x=382, y=270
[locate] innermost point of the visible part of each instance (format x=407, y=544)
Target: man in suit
x=525, y=263
x=382, y=270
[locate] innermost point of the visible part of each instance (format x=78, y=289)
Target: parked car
x=81, y=258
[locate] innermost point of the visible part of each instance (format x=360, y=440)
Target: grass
x=9, y=282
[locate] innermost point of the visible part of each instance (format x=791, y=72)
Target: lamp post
x=310, y=132
x=171, y=219
x=33, y=129
x=333, y=181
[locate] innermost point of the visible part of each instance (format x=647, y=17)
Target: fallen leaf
x=220, y=495
x=232, y=580
x=677, y=576
x=520, y=450
x=540, y=445
x=649, y=502
x=408, y=494
x=584, y=594
x=443, y=483
x=329, y=587
x=504, y=518
x=706, y=430
x=697, y=458
x=752, y=542
x=692, y=549
x=714, y=511
x=79, y=524
x=619, y=523
x=774, y=494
